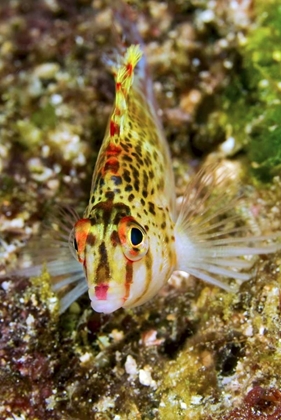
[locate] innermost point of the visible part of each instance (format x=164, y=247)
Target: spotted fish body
x=124, y=239
x=129, y=241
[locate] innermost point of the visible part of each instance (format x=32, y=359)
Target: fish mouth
x=106, y=298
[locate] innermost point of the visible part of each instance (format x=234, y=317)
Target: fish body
x=129, y=240
x=124, y=240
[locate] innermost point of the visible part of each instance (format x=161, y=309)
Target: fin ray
x=206, y=239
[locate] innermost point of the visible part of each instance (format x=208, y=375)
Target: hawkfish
x=131, y=239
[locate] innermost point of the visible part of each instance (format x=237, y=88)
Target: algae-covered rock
x=250, y=105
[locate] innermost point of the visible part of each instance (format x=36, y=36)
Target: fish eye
x=136, y=236
x=134, y=239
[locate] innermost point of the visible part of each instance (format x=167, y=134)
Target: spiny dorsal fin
x=124, y=77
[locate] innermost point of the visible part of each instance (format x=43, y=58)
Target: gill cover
x=79, y=237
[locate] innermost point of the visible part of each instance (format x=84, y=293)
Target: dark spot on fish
x=147, y=161
x=151, y=208
x=114, y=237
x=101, y=182
x=103, y=252
x=135, y=173
x=103, y=272
x=116, y=179
x=125, y=147
x=128, y=188
x=110, y=195
x=126, y=176
x=91, y=239
x=138, y=149
x=131, y=197
x=163, y=225
x=145, y=178
x=127, y=158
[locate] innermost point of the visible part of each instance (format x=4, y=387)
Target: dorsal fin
x=124, y=77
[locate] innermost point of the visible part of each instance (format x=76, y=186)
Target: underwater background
x=194, y=351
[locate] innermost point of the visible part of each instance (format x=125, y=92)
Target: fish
x=131, y=238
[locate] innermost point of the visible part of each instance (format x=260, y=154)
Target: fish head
x=122, y=259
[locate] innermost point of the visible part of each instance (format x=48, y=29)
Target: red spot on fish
x=113, y=150
x=112, y=165
x=101, y=291
x=129, y=69
x=118, y=86
x=113, y=128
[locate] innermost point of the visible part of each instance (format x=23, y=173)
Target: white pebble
x=46, y=70
x=30, y=320
x=56, y=99
x=131, y=366
x=6, y=285
x=85, y=357
x=228, y=145
x=146, y=379
x=207, y=16
x=196, y=399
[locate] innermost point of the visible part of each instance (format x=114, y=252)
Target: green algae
x=45, y=117
x=251, y=103
x=262, y=63
x=29, y=135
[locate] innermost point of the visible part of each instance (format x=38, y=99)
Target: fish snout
x=107, y=297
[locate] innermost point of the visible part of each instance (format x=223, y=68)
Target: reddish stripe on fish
x=128, y=279
x=130, y=69
x=111, y=165
x=114, y=128
x=113, y=150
